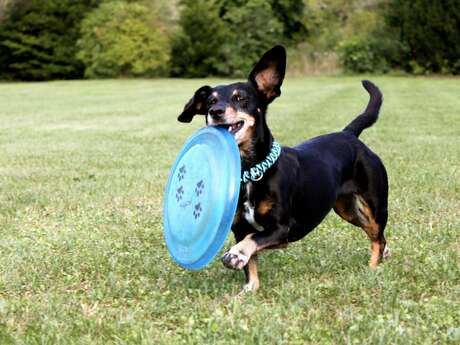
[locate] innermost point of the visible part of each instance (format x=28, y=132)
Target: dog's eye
x=239, y=98
x=212, y=101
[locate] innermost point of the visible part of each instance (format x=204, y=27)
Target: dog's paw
x=247, y=289
x=386, y=252
x=234, y=259
x=252, y=286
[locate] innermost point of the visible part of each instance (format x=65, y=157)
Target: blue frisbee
x=201, y=197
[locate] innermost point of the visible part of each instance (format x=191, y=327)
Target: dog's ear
x=196, y=105
x=268, y=74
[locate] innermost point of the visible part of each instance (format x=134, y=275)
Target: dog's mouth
x=233, y=128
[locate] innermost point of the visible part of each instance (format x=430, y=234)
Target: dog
x=285, y=200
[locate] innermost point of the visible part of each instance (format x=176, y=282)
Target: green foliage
x=417, y=36
x=339, y=27
x=332, y=21
x=431, y=32
x=226, y=37
x=37, y=40
x=122, y=39
x=368, y=53
x=196, y=47
x=254, y=28
x=291, y=14
x=356, y=55
x=194, y=38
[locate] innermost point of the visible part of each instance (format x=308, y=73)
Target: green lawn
x=83, y=166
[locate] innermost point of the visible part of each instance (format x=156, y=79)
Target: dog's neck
x=259, y=147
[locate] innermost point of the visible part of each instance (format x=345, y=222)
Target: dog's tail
x=371, y=113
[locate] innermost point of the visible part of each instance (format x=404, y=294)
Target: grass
x=83, y=165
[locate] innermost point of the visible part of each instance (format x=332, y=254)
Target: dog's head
x=241, y=107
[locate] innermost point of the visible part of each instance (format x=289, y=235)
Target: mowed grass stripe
x=82, y=261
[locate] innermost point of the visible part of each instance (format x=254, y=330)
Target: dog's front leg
x=252, y=277
x=239, y=255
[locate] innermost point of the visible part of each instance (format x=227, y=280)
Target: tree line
x=69, y=39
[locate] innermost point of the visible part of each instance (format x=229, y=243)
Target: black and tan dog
x=334, y=171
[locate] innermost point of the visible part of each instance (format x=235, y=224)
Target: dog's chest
x=249, y=209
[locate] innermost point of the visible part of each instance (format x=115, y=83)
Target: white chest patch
x=248, y=212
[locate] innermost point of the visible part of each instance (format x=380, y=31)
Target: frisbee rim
x=233, y=164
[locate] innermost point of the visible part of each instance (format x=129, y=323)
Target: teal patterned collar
x=257, y=171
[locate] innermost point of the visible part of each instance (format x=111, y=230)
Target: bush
x=197, y=46
x=376, y=52
x=226, y=37
x=358, y=55
x=430, y=32
x=37, y=39
x=121, y=39
x=254, y=28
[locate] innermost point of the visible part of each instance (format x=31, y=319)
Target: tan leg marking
x=366, y=218
x=372, y=229
x=264, y=206
x=253, y=277
x=376, y=254
x=356, y=210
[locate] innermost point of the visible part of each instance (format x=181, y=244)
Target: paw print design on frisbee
x=198, y=191
x=179, y=193
x=197, y=210
x=199, y=188
x=182, y=172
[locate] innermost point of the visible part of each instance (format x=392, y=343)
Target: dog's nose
x=217, y=112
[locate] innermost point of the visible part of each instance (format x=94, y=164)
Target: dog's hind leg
x=374, y=228
x=356, y=210
x=363, y=201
